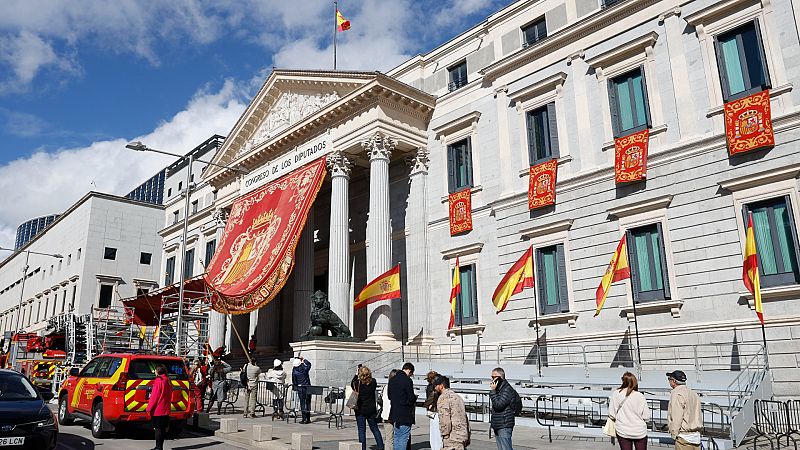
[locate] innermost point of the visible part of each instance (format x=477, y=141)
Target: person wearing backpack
x=249, y=379
x=506, y=404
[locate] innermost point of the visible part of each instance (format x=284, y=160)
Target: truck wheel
x=97, y=421
x=64, y=417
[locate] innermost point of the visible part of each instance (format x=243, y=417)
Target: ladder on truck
x=77, y=338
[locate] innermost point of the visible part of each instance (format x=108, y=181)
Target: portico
x=369, y=214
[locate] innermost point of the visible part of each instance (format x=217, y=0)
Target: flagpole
x=536, y=327
x=636, y=329
x=335, y=31
x=461, y=324
x=761, y=317
x=402, y=328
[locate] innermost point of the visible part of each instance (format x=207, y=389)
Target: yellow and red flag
x=518, y=277
x=750, y=268
x=618, y=269
x=342, y=24
x=384, y=287
x=455, y=291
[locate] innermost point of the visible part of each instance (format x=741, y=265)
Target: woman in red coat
x=159, y=405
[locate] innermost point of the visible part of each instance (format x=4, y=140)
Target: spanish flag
x=385, y=287
x=750, y=268
x=618, y=269
x=518, y=277
x=342, y=24
x=455, y=291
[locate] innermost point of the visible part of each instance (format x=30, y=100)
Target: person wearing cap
x=453, y=424
x=277, y=376
x=301, y=381
x=684, y=418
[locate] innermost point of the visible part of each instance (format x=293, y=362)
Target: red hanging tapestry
x=748, y=123
x=630, y=157
x=542, y=184
x=460, y=212
x=256, y=252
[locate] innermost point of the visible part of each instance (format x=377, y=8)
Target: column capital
x=339, y=164
x=220, y=217
x=379, y=146
x=419, y=161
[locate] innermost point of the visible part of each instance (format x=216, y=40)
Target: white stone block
x=302, y=441
x=203, y=421
x=349, y=445
x=262, y=433
x=228, y=425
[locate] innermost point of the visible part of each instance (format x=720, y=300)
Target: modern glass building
x=29, y=229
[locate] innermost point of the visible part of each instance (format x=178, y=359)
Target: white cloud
x=21, y=124
x=47, y=183
x=26, y=54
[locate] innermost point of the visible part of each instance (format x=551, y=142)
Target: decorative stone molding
x=220, y=216
x=637, y=46
x=543, y=230
x=640, y=207
x=667, y=14
x=770, y=294
x=761, y=178
x=671, y=306
x=463, y=250
x=339, y=164
x=420, y=161
x=469, y=120
x=379, y=146
x=466, y=329
x=551, y=319
x=552, y=83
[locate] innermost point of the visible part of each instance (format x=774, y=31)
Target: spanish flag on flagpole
x=518, y=277
x=454, y=292
x=750, y=268
x=384, y=287
x=342, y=24
x=618, y=269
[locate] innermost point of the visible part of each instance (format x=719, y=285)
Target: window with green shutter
x=542, y=134
x=169, y=271
x=648, y=263
x=467, y=300
x=459, y=165
x=741, y=61
x=551, y=279
x=776, y=241
x=627, y=95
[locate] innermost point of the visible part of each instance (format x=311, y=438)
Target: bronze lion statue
x=323, y=320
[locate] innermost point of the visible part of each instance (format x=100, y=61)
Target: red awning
x=147, y=308
x=256, y=253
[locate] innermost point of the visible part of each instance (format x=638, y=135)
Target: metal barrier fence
x=271, y=395
x=775, y=421
x=325, y=400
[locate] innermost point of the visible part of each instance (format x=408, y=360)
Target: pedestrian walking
x=453, y=423
x=627, y=407
x=386, y=406
x=277, y=376
x=159, y=405
x=199, y=377
x=404, y=401
x=301, y=381
x=251, y=371
x=366, y=407
x=505, y=403
x=431, y=397
x=218, y=374
x=684, y=417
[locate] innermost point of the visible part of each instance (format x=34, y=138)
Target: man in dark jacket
x=503, y=398
x=300, y=381
x=404, y=401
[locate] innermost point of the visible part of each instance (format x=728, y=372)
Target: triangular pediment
x=286, y=98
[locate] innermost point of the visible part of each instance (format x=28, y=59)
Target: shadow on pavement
x=73, y=441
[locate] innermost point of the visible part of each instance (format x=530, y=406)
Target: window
x=63, y=302
x=457, y=75
x=141, y=291
x=110, y=253
x=175, y=216
x=467, y=300
x=191, y=178
x=195, y=204
x=776, y=241
x=169, y=192
x=551, y=279
x=459, y=165
x=72, y=301
x=742, y=64
x=214, y=195
x=106, y=293
x=180, y=186
x=610, y=3
x=145, y=258
x=533, y=32
x=542, y=134
x=211, y=247
x=79, y=255
x=627, y=95
x=60, y=261
x=648, y=263
x=188, y=264
x=51, y=269
x=69, y=259
x=90, y=369
x=169, y=275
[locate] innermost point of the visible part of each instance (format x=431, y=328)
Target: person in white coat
x=277, y=376
x=628, y=408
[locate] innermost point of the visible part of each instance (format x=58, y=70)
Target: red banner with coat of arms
x=748, y=123
x=630, y=157
x=256, y=252
x=460, y=212
x=542, y=184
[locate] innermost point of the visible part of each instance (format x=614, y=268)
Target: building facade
x=110, y=250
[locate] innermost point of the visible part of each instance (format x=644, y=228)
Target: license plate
x=12, y=441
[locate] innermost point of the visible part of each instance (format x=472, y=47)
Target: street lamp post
x=139, y=147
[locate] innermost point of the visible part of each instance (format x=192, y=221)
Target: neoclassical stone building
x=536, y=81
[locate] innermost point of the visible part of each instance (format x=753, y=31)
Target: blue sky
x=80, y=79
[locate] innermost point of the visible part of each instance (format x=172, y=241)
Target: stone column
x=416, y=250
x=578, y=76
x=687, y=113
x=217, y=321
x=266, y=333
x=253, y=326
x=303, y=278
x=339, y=244
x=379, y=233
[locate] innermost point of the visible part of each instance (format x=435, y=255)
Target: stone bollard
x=262, y=433
x=349, y=446
x=302, y=441
x=202, y=420
x=228, y=425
